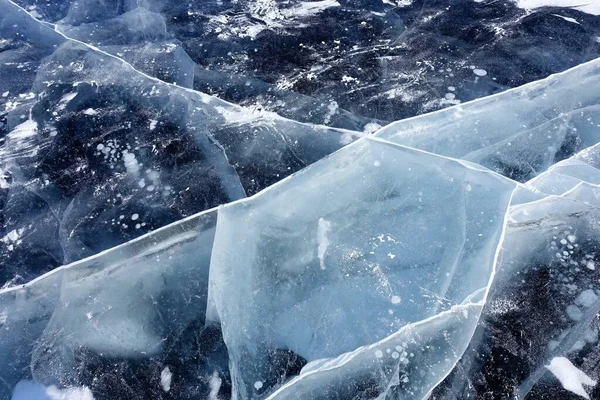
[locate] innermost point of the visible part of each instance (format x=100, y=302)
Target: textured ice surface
x=154, y=146
x=590, y=7
x=85, y=150
x=340, y=63
x=544, y=302
x=367, y=232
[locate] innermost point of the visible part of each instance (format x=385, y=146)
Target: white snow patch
x=590, y=264
x=4, y=179
x=239, y=115
x=570, y=377
x=66, y=99
x=587, y=6
x=153, y=123
x=371, y=127
x=28, y=390
x=165, y=378
x=332, y=109
x=26, y=129
x=308, y=9
x=90, y=111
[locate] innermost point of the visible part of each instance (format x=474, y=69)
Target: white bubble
x=396, y=299
x=591, y=265
x=134, y=217
x=258, y=385
x=480, y=72
x=378, y=353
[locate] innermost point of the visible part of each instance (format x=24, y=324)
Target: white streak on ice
x=323, y=241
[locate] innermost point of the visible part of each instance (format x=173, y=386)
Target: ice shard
x=138, y=308
x=367, y=239
x=518, y=133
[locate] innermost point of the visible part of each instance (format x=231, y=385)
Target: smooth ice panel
x=366, y=241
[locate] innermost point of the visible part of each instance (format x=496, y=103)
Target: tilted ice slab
x=135, y=301
x=545, y=299
x=518, y=133
x=351, y=252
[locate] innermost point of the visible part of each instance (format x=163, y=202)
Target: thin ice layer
x=375, y=237
x=518, y=133
x=115, y=321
